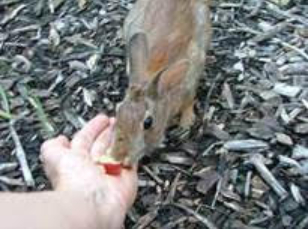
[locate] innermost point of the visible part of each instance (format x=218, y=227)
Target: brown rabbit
x=166, y=45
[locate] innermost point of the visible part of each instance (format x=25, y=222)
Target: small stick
x=20, y=153
x=257, y=161
x=154, y=176
x=174, y=224
x=248, y=183
x=305, y=102
x=198, y=216
x=211, y=147
x=294, y=48
x=13, y=14
x=295, y=190
x=256, y=9
x=210, y=91
x=287, y=14
x=247, y=29
x=172, y=191
x=10, y=181
x=218, y=189
x=271, y=33
x=21, y=156
x=145, y=220
x=6, y=167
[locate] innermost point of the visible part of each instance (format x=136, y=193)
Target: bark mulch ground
x=244, y=165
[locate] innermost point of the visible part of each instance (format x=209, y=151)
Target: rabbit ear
x=168, y=79
x=136, y=93
x=137, y=51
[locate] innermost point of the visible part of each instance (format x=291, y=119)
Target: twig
x=145, y=220
x=5, y=102
x=256, y=9
x=287, y=45
x=174, y=224
x=173, y=188
x=21, y=156
x=210, y=91
x=13, y=14
x=231, y=5
x=218, y=190
x=198, y=216
x=270, y=33
x=5, y=115
x=247, y=183
x=24, y=29
x=211, y=147
x=11, y=181
x=305, y=103
x=6, y=167
x=35, y=102
x=295, y=190
x=154, y=176
x=287, y=14
x=257, y=161
x=20, y=153
x=276, y=40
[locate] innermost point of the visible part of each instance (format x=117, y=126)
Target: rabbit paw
x=187, y=117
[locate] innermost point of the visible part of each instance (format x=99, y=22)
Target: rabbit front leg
x=188, y=116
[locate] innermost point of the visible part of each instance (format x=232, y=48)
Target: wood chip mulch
x=244, y=165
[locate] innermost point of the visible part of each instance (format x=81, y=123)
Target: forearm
x=47, y=210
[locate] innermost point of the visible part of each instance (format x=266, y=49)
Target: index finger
x=103, y=141
x=84, y=139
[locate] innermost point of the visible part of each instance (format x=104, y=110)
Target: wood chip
x=296, y=193
x=216, y=131
x=301, y=128
x=227, y=93
x=300, y=152
x=13, y=14
x=208, y=180
x=286, y=90
x=7, y=167
x=284, y=139
x=246, y=145
x=177, y=159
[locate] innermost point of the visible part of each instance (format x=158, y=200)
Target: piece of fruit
x=111, y=166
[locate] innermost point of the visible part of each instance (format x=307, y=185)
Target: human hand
x=70, y=167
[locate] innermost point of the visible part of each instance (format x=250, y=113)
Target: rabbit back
x=170, y=28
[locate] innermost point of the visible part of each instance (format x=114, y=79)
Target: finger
x=60, y=141
x=103, y=141
x=129, y=179
x=84, y=139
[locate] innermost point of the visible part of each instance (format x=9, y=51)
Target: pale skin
x=83, y=195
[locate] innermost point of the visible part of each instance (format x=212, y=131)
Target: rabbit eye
x=148, y=122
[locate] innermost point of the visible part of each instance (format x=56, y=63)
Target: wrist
x=108, y=211
x=95, y=208
x=79, y=209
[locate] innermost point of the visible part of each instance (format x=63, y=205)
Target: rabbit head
x=143, y=115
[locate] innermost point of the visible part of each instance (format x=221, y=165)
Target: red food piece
x=111, y=166
x=112, y=169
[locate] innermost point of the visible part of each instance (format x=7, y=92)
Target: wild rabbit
x=166, y=45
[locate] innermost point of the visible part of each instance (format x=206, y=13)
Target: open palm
x=70, y=166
